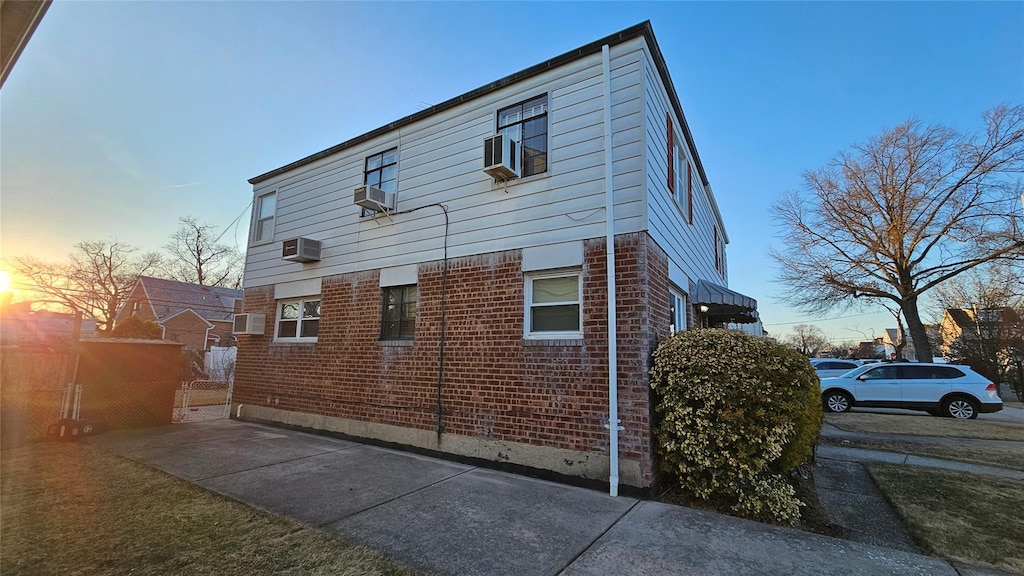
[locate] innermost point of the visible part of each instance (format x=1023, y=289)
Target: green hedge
x=734, y=413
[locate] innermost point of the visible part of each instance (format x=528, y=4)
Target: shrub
x=135, y=327
x=734, y=412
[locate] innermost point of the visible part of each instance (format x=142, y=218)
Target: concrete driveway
x=450, y=518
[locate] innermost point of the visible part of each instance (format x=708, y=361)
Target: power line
x=821, y=319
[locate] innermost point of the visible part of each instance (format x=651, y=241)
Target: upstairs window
x=398, y=319
x=527, y=124
x=298, y=320
x=263, y=228
x=381, y=171
x=718, y=251
x=672, y=156
x=689, y=192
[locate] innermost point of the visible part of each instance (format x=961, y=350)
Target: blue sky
x=120, y=117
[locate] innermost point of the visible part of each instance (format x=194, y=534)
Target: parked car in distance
x=829, y=367
x=939, y=389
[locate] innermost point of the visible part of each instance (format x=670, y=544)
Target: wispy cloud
x=189, y=185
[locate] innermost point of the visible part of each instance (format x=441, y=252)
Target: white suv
x=940, y=389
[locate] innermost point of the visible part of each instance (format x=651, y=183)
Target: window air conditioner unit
x=300, y=250
x=249, y=324
x=373, y=198
x=501, y=157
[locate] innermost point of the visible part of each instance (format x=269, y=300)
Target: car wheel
x=837, y=401
x=960, y=407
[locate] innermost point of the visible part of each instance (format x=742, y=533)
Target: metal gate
x=203, y=400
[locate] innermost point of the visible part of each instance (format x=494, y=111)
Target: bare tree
x=195, y=256
x=808, y=339
x=95, y=280
x=994, y=285
x=907, y=211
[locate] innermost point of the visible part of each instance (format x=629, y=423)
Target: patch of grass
x=1003, y=457
x=957, y=516
x=925, y=425
x=68, y=508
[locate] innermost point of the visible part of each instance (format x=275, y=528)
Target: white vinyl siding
x=441, y=162
x=690, y=247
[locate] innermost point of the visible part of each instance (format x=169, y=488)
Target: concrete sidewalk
x=450, y=518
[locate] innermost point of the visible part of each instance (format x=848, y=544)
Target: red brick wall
x=496, y=384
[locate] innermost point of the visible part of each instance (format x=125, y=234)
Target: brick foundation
x=535, y=403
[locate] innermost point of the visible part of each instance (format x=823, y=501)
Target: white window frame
x=519, y=145
x=681, y=302
x=298, y=326
x=255, y=240
x=528, y=280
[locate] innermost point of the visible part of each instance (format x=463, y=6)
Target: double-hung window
x=527, y=125
x=298, y=320
x=677, y=309
x=381, y=171
x=398, y=318
x=553, y=305
x=263, y=227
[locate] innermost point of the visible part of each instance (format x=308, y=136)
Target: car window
x=881, y=373
x=919, y=372
x=948, y=372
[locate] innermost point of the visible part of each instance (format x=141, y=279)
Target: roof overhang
x=643, y=29
x=724, y=305
x=19, y=20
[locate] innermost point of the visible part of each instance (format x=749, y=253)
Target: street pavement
x=450, y=518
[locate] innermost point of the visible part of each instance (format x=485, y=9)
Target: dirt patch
x=813, y=517
x=1010, y=457
x=925, y=425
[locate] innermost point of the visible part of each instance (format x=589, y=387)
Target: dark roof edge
x=642, y=29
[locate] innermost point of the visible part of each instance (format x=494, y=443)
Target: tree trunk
x=918, y=333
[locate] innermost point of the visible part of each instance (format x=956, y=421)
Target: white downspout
x=609, y=213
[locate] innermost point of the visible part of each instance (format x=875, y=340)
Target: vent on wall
x=249, y=324
x=373, y=198
x=300, y=250
x=500, y=157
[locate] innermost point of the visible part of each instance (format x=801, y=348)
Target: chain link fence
x=200, y=400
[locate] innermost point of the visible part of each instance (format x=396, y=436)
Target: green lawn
x=958, y=516
x=69, y=508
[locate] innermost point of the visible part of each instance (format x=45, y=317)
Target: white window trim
x=298, y=327
x=254, y=226
x=682, y=311
x=495, y=183
x=528, y=332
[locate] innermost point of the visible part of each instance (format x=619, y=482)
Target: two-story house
x=491, y=298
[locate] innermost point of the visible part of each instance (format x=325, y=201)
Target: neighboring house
x=22, y=327
x=891, y=339
x=979, y=324
x=197, y=316
x=472, y=317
